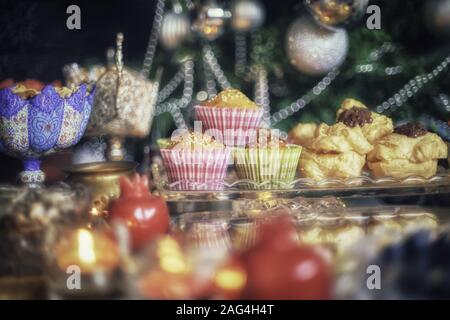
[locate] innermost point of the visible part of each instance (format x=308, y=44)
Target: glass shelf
x=358, y=187
x=315, y=211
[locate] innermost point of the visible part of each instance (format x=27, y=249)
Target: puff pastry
x=417, y=150
x=378, y=127
x=303, y=134
x=337, y=138
x=340, y=150
x=402, y=168
x=400, y=156
x=336, y=151
x=318, y=166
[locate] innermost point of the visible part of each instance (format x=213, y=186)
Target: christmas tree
x=402, y=64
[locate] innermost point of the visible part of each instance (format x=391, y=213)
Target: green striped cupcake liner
x=269, y=168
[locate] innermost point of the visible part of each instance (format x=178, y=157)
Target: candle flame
x=230, y=279
x=86, y=251
x=172, y=259
x=94, y=212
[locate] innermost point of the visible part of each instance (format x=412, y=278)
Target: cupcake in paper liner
x=209, y=235
x=244, y=233
x=270, y=164
x=196, y=162
x=230, y=114
x=163, y=143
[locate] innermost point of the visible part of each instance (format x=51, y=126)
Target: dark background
x=35, y=43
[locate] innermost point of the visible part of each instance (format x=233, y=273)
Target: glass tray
x=316, y=213
x=363, y=186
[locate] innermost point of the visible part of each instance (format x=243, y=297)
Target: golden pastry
x=401, y=168
x=339, y=150
x=336, y=151
x=337, y=138
x=418, y=148
x=374, y=126
x=409, y=151
x=303, y=134
x=319, y=166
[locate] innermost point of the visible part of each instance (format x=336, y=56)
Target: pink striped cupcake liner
x=235, y=125
x=199, y=169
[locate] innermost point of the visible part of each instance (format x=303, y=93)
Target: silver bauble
x=336, y=13
x=247, y=15
x=175, y=28
x=437, y=17
x=313, y=49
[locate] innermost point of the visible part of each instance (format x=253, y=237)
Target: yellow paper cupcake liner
x=269, y=168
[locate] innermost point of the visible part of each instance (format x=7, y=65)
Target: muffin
x=229, y=113
x=269, y=161
x=373, y=125
x=410, y=151
x=196, y=161
x=336, y=151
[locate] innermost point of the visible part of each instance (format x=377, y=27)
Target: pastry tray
x=359, y=187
